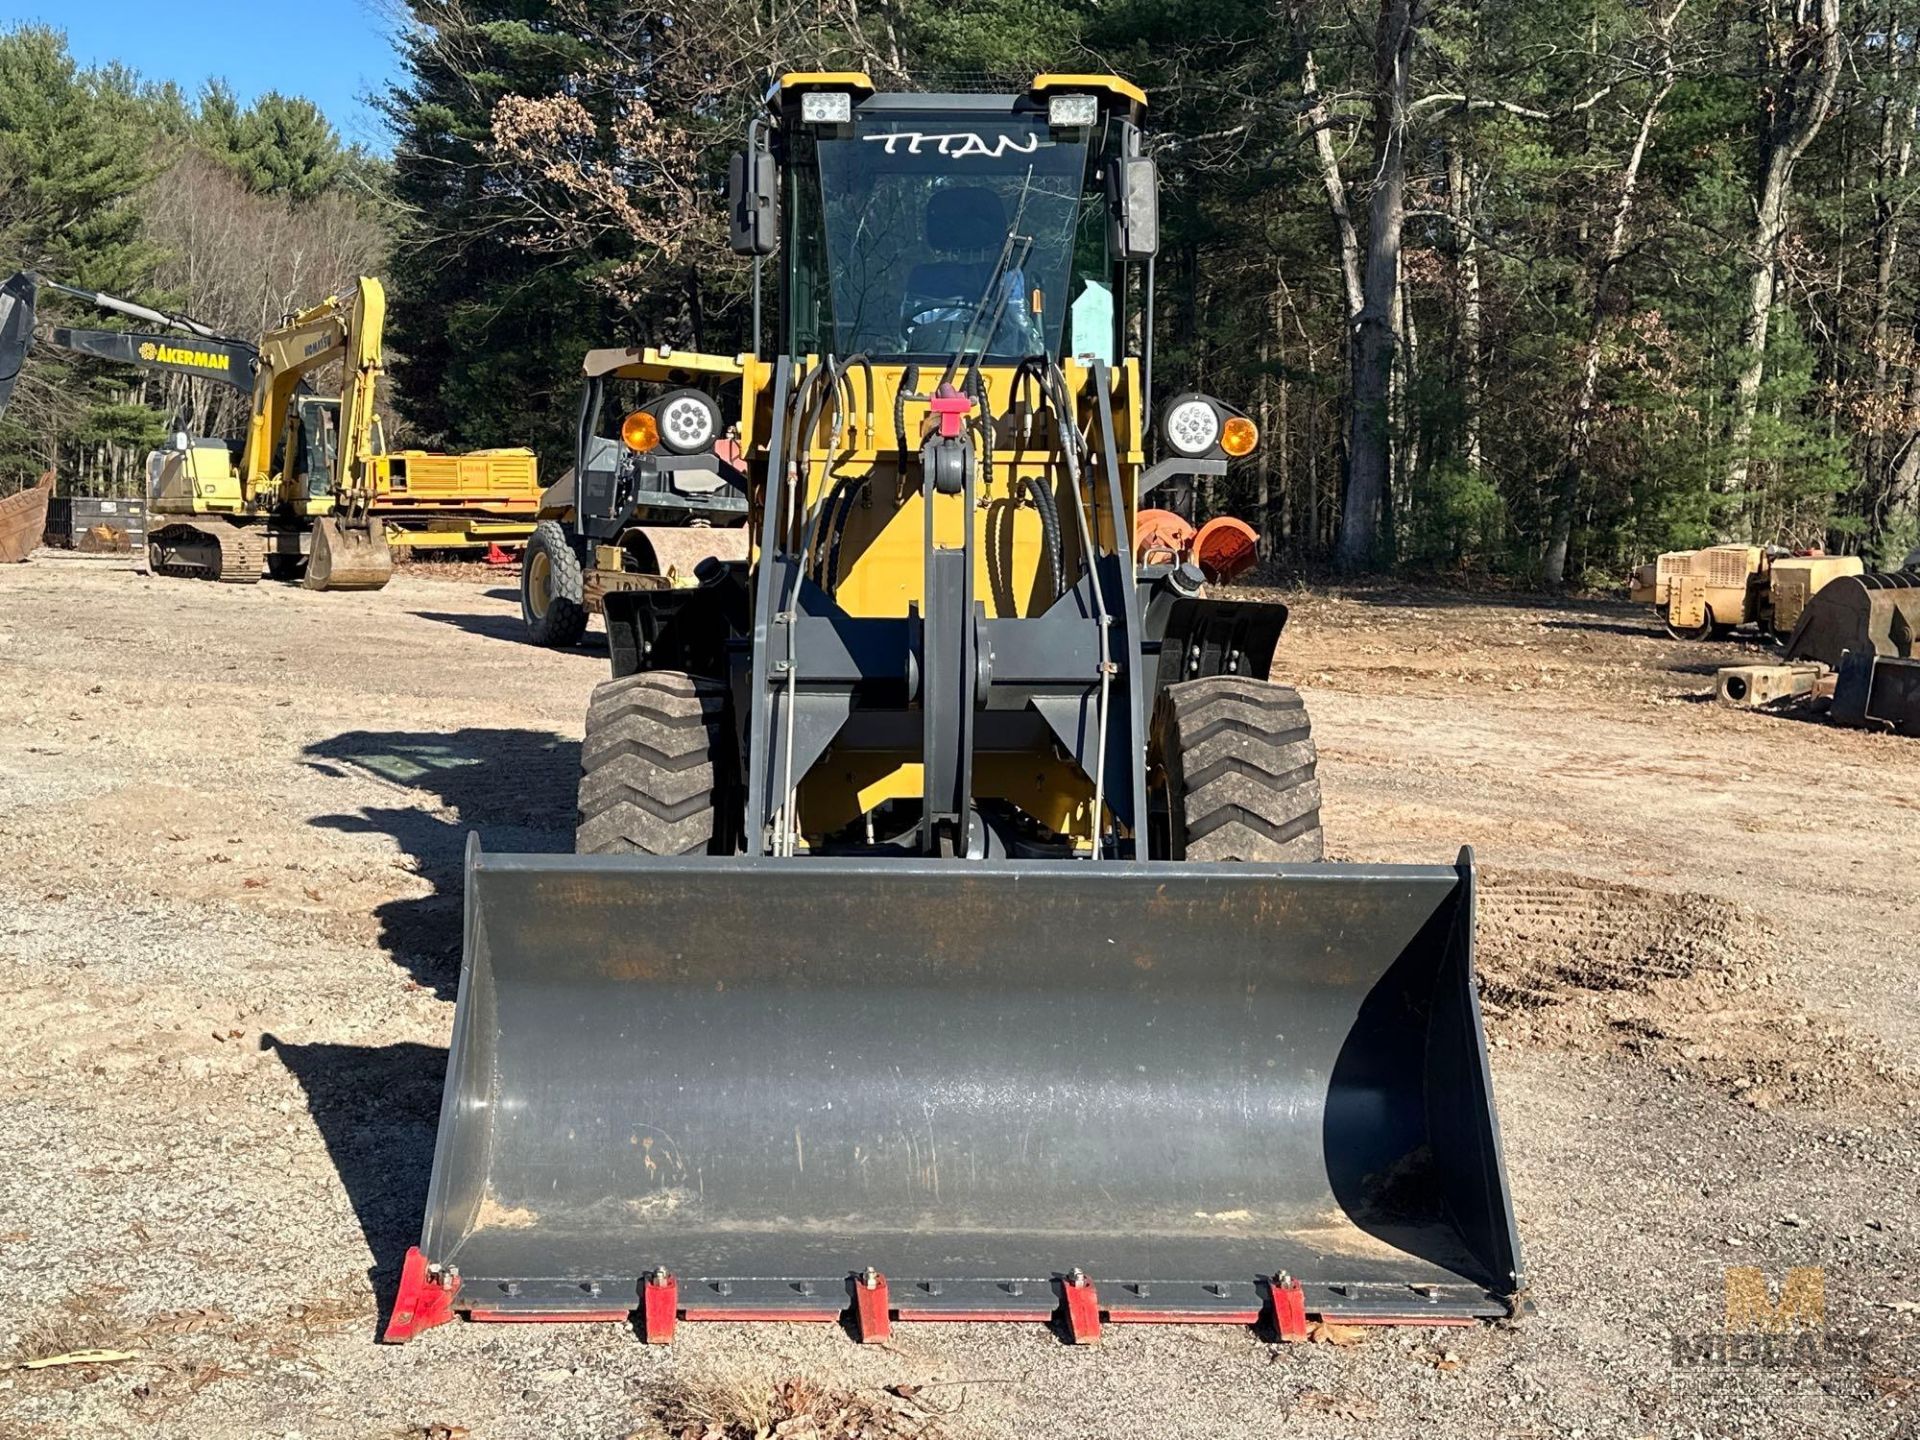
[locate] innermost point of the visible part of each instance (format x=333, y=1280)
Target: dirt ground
x=230, y=834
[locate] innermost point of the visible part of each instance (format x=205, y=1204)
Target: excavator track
x=209, y=550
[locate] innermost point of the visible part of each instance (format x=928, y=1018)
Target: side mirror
x=753, y=192
x=1133, y=200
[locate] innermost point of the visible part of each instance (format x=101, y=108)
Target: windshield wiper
x=1001, y=268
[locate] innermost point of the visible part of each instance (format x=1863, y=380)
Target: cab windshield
x=935, y=235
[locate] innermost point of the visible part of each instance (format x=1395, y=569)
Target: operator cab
x=921, y=227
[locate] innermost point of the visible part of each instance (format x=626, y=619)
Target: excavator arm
x=225, y=362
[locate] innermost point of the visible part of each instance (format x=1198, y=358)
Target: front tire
x=552, y=588
x=1239, y=771
x=658, y=768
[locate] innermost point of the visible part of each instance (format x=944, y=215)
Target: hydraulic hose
x=1049, y=509
x=909, y=384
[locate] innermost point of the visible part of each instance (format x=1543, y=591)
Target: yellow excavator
x=298, y=496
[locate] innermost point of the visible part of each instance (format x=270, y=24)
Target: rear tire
x=1239, y=771
x=658, y=768
x=552, y=588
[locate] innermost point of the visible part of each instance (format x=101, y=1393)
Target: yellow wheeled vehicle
x=949, y=935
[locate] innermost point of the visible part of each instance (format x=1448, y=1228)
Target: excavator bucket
x=726, y=1089
x=348, y=557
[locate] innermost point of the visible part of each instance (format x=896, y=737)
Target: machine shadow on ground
x=1648, y=631
x=511, y=628
x=515, y=787
x=377, y=1108
x=1400, y=597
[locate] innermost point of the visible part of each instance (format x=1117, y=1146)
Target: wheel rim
x=539, y=578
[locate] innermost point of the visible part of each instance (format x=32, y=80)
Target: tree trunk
x=1370, y=442
x=1407, y=434
x=1904, y=484
x=1553, y=565
x=1466, y=262
x=1263, y=464
x=1796, y=121
x=1898, y=119
x=1346, y=238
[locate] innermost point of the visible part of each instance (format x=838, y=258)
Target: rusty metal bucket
x=765, y=1076
x=23, y=519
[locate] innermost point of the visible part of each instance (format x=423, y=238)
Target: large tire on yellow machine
x=1239, y=768
x=657, y=768
x=552, y=588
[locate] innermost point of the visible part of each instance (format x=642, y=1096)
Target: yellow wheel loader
x=949, y=935
x=642, y=509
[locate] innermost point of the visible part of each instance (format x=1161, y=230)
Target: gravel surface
x=231, y=823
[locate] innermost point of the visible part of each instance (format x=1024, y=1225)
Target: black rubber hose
x=909, y=383
x=1049, y=508
x=830, y=577
x=866, y=369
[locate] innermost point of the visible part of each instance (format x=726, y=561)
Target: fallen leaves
x=796, y=1408
x=185, y=1322
x=1325, y=1332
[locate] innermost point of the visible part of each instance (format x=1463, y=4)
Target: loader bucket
x=763, y=1077
x=1877, y=613
x=348, y=557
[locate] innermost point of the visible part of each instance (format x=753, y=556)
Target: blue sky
x=334, y=52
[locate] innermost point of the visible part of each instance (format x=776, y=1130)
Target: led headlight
x=1192, y=426
x=1073, y=112
x=689, y=421
x=826, y=107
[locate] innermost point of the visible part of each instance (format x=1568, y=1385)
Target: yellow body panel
x=496, y=482
x=857, y=80
x=1795, y=581
x=197, y=481
x=882, y=558
x=1111, y=84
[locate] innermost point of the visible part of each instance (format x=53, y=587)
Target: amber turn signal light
x=640, y=432
x=1238, y=436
